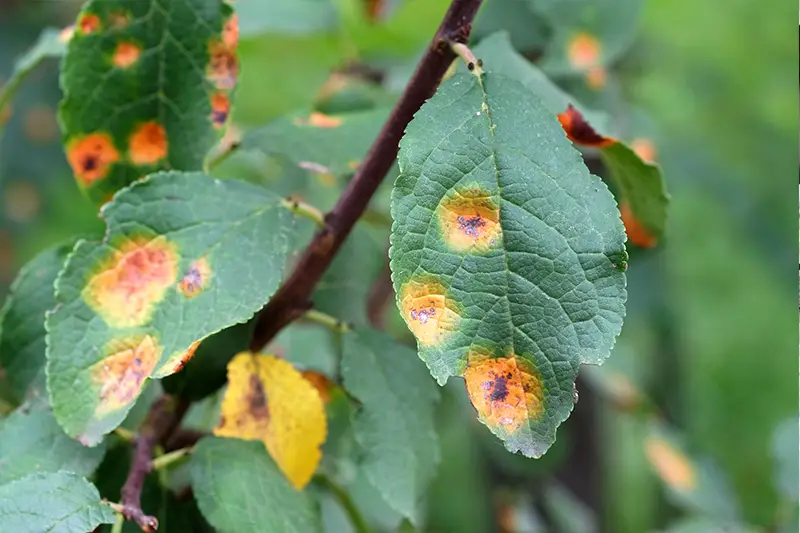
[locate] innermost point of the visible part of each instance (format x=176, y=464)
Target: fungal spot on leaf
x=118, y=20
x=176, y=361
x=672, y=466
x=637, y=232
x=584, y=51
x=121, y=373
x=430, y=315
x=320, y=382
x=196, y=279
x=126, y=54
x=91, y=157
x=230, y=32
x=223, y=67
x=596, y=78
x=581, y=132
x=319, y=120
x=645, y=149
x=470, y=220
x=131, y=280
x=220, y=109
x=148, y=144
x=88, y=23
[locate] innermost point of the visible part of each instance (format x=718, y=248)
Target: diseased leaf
x=184, y=257
x=285, y=16
x=239, y=488
x=395, y=425
x=507, y=256
x=58, y=502
x=267, y=399
x=34, y=443
x=22, y=346
x=147, y=86
x=785, y=448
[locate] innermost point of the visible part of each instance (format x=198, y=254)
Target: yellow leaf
x=269, y=400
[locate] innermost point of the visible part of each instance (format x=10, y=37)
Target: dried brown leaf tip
x=91, y=157
x=430, y=314
x=581, y=132
x=126, y=54
x=470, y=220
x=147, y=144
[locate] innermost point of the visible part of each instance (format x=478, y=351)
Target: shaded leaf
x=785, y=448
x=147, y=86
x=507, y=255
x=395, y=425
x=267, y=399
x=58, y=502
x=285, y=16
x=239, y=488
x=22, y=334
x=707, y=525
x=184, y=257
x=526, y=29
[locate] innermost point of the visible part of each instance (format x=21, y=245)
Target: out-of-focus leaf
x=56, y=502
x=785, y=449
x=285, y=16
x=706, y=525
x=22, y=333
x=147, y=86
x=268, y=400
x=567, y=512
x=507, y=255
x=185, y=256
x=307, y=346
x=395, y=426
x=239, y=488
x=527, y=30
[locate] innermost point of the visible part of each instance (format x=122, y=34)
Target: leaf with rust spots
x=267, y=399
x=176, y=266
x=143, y=83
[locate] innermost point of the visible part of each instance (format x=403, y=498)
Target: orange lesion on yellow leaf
x=470, y=220
x=637, y=232
x=148, y=143
x=196, y=279
x=230, y=32
x=88, y=23
x=91, y=157
x=581, y=132
x=129, y=282
x=220, y=109
x=645, y=149
x=430, y=314
x=506, y=392
x=126, y=54
x=319, y=120
x=223, y=66
x=121, y=373
x=584, y=51
x=176, y=361
x=672, y=466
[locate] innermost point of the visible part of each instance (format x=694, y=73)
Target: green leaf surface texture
x=59, y=502
x=507, y=255
x=147, y=86
x=395, y=424
x=293, y=17
x=184, y=256
x=239, y=489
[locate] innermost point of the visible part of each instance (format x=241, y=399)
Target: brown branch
x=164, y=416
x=292, y=298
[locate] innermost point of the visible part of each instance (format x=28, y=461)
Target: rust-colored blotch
x=88, y=23
x=121, y=374
x=196, y=278
x=645, y=149
x=176, y=361
x=126, y=54
x=583, y=51
x=230, y=32
x=637, y=233
x=148, y=144
x=220, y=109
x=223, y=66
x=132, y=280
x=91, y=157
x=672, y=466
x=581, y=132
x=596, y=78
x=505, y=391
x=320, y=382
x=470, y=221
x=319, y=120
x=430, y=315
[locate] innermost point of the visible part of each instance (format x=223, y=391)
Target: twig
x=324, y=319
x=167, y=459
x=292, y=298
x=164, y=416
x=306, y=210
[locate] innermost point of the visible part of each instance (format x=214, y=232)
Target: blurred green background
x=711, y=332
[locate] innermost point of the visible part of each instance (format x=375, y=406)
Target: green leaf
x=395, y=425
x=784, y=450
x=507, y=255
x=59, y=502
x=184, y=257
x=526, y=29
x=147, y=86
x=285, y=16
x=706, y=525
x=22, y=331
x=239, y=488
x=33, y=442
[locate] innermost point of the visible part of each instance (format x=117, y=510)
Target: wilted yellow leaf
x=269, y=400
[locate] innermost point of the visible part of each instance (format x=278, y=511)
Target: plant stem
x=473, y=63
x=326, y=320
x=117, y=527
x=167, y=459
x=125, y=434
x=220, y=157
x=306, y=210
x=292, y=298
x=357, y=520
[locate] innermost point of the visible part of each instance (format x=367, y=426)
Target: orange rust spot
x=230, y=32
x=118, y=19
x=596, y=78
x=126, y=54
x=672, y=466
x=320, y=382
x=88, y=23
x=430, y=314
x=148, y=144
x=121, y=374
x=637, y=233
x=470, y=220
x=223, y=66
x=176, y=361
x=21, y=201
x=66, y=34
x=220, y=109
x=91, y=157
x=505, y=391
x=196, y=279
x=645, y=149
x=581, y=132
x=131, y=280
x=319, y=120
x=584, y=51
